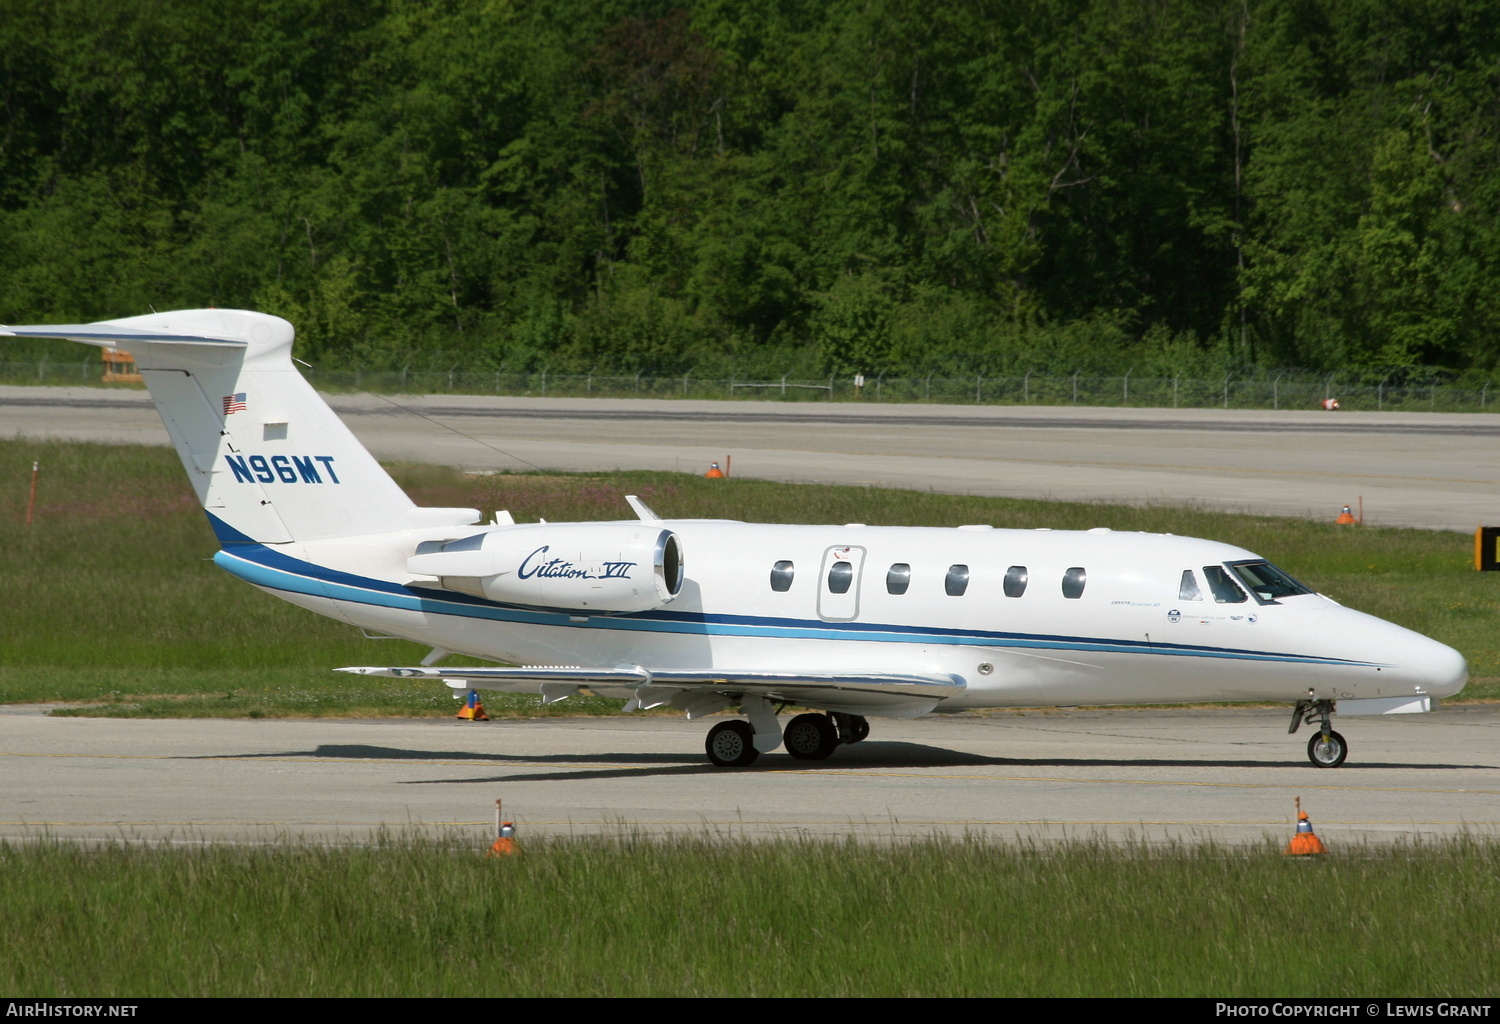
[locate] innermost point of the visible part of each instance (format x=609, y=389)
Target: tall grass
x=722, y=917
x=111, y=596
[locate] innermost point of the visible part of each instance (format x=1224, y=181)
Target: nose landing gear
x=1327, y=749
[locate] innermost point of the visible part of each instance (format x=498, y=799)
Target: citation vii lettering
x=556, y=568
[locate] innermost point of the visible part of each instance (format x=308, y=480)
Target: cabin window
x=1267, y=582
x=1015, y=581
x=840, y=575
x=957, y=580
x=898, y=578
x=1188, y=589
x=781, y=576
x=1073, y=582
x=1222, y=586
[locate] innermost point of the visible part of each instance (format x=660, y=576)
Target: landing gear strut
x=1327, y=748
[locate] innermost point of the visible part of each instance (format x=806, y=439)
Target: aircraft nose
x=1445, y=669
x=1415, y=660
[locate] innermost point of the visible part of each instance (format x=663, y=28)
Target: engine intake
x=598, y=568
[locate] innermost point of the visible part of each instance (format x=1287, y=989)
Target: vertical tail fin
x=269, y=460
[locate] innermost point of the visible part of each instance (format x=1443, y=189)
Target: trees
x=867, y=185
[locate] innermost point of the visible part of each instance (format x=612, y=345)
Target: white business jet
x=855, y=621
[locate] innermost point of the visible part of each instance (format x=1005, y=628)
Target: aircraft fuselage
x=925, y=600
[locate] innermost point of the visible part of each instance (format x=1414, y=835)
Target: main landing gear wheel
x=731, y=744
x=1327, y=752
x=852, y=728
x=810, y=737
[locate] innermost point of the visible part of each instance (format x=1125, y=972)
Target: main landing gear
x=1327, y=748
x=732, y=744
x=808, y=737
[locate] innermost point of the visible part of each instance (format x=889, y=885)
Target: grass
x=113, y=601
x=714, y=916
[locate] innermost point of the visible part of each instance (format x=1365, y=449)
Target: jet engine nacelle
x=597, y=568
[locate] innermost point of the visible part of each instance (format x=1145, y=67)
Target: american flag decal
x=234, y=403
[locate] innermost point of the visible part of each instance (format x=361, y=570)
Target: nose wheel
x=1327, y=749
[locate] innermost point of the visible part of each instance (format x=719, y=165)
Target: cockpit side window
x=1267, y=582
x=1188, y=590
x=1222, y=586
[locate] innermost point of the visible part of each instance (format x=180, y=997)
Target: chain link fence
x=1284, y=390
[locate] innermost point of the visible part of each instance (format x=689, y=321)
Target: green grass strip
x=712, y=916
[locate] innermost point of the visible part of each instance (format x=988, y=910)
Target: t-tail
x=269, y=460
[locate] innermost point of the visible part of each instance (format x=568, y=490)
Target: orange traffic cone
x=505, y=842
x=1346, y=517
x=473, y=709
x=505, y=836
x=714, y=472
x=1305, y=842
x=1330, y=404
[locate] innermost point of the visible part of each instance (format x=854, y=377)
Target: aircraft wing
x=704, y=691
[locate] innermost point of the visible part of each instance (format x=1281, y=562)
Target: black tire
x=810, y=737
x=1327, y=755
x=851, y=728
x=731, y=744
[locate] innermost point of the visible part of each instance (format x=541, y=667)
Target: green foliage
x=853, y=186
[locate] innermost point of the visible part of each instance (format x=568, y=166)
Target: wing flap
x=882, y=694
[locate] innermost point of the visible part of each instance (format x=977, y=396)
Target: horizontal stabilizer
x=114, y=333
x=880, y=694
x=267, y=457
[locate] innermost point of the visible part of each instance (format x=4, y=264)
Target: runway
x=1435, y=471
x=1226, y=775
x=1144, y=775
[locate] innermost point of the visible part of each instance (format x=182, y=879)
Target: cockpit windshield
x=1265, y=581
